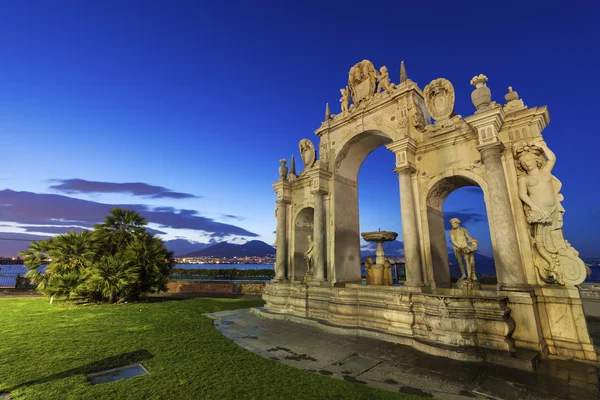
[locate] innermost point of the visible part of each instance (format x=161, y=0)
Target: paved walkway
x=401, y=368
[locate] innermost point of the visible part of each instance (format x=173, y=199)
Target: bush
x=119, y=260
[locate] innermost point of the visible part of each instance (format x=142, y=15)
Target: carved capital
x=487, y=150
x=283, y=190
x=404, y=149
x=406, y=170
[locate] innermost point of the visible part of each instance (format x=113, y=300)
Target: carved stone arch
x=448, y=182
x=357, y=145
x=435, y=194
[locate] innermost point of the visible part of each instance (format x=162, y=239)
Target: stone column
x=319, y=238
x=509, y=267
x=281, y=250
x=410, y=233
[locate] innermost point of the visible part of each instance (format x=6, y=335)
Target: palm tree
x=154, y=262
x=112, y=276
x=71, y=252
x=68, y=258
x=33, y=258
x=119, y=229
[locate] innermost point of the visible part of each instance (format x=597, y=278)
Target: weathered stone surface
x=498, y=148
x=396, y=367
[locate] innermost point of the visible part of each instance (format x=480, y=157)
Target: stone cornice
x=378, y=102
x=319, y=178
x=460, y=133
x=494, y=117
x=405, y=144
x=283, y=190
x=538, y=116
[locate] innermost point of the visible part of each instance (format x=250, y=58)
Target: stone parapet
x=451, y=323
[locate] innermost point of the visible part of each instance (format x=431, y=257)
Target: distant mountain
x=183, y=246
x=253, y=248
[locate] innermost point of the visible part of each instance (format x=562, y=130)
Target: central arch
x=345, y=250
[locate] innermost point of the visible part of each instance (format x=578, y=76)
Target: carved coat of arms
x=362, y=80
x=439, y=99
x=307, y=152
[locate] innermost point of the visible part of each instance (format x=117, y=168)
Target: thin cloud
x=235, y=217
x=51, y=229
x=81, y=186
x=52, y=209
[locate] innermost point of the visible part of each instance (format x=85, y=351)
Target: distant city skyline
x=182, y=111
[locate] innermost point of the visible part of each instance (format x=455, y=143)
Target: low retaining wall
x=216, y=287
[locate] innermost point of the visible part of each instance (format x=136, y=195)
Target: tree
x=153, y=261
x=120, y=227
x=118, y=260
x=112, y=277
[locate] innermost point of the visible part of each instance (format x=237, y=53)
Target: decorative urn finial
x=283, y=170
x=482, y=95
x=511, y=95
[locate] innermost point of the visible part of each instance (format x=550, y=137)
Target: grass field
x=46, y=349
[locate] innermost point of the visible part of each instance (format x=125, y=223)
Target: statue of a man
x=309, y=256
x=464, y=249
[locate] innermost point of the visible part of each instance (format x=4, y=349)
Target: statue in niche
x=556, y=260
x=384, y=81
x=464, y=250
x=309, y=257
x=345, y=100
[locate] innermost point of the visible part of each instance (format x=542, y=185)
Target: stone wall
x=215, y=287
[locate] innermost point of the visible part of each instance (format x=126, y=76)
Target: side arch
x=437, y=268
x=303, y=223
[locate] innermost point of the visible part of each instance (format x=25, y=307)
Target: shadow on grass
x=107, y=363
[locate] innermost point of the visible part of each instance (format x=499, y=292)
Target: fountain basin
x=379, y=236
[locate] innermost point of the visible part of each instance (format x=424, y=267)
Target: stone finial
x=403, y=76
x=513, y=103
x=327, y=112
x=283, y=170
x=482, y=95
x=511, y=95
x=292, y=176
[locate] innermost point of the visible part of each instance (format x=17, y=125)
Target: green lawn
x=45, y=350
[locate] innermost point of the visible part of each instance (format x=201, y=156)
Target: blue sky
x=204, y=98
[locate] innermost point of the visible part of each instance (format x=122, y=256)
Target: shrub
x=119, y=260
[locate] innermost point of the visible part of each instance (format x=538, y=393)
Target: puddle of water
x=115, y=374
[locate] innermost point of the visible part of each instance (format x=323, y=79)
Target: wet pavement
x=402, y=368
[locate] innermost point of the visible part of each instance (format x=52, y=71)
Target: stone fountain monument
x=379, y=273
x=535, y=312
